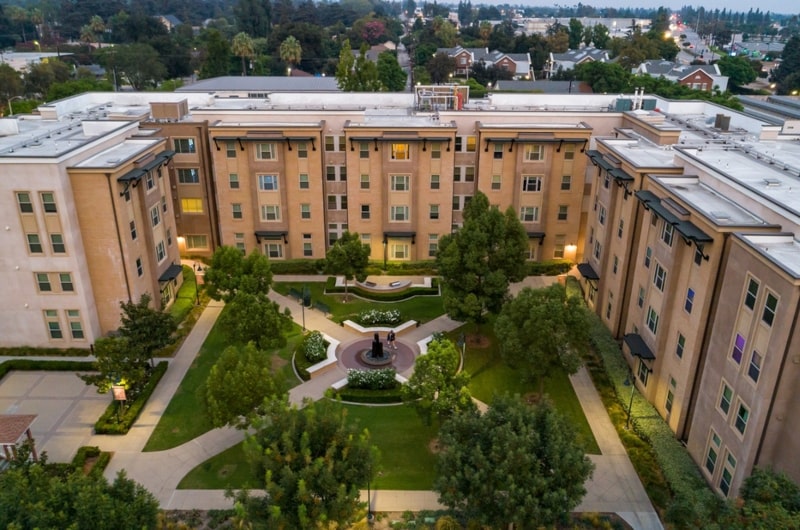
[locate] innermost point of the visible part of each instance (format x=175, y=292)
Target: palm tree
x=98, y=27
x=88, y=36
x=290, y=51
x=242, y=46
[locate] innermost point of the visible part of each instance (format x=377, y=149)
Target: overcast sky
x=773, y=6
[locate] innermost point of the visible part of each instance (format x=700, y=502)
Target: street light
x=629, y=381
x=10, y=108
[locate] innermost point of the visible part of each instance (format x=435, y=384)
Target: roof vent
x=772, y=182
x=720, y=216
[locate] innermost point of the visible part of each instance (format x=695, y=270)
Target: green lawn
x=420, y=308
x=229, y=469
x=187, y=295
x=185, y=417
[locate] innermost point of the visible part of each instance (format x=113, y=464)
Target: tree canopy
x=512, y=464
x=230, y=273
x=146, y=329
x=348, y=257
x=118, y=362
x=255, y=318
x=390, y=73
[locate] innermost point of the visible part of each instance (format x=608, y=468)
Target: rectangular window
x=644, y=373
x=498, y=152
x=669, y=400
x=687, y=305
x=342, y=143
x=754, y=370
x=569, y=152
x=652, y=320
x=57, y=243
x=155, y=216
x=24, y=201
x=399, y=182
x=75, y=326
x=667, y=232
x=139, y=267
x=198, y=242
x=496, y=182
x=305, y=211
x=189, y=175
x=265, y=152
x=239, y=240
x=601, y=215
x=457, y=173
x=648, y=256
x=65, y=279
x=534, y=152
x=49, y=203
x=434, y=212
x=364, y=182
x=529, y=214
x=659, y=277
x=725, y=398
x=469, y=174
x=619, y=228
x=531, y=183
x=274, y=250
x=436, y=150
x=399, y=213
x=236, y=210
x=268, y=182
x=770, y=306
x=192, y=205
x=459, y=144
x=598, y=249
x=752, y=294
x=400, y=152
x=161, y=252
x=433, y=245
x=308, y=249
x=680, y=346
x=233, y=181
x=713, y=450
x=727, y=473
x=698, y=256
x=43, y=282
x=343, y=173
x=606, y=179
x=742, y=415
x=184, y=145
x=563, y=210
x=53, y=324
x=615, y=267
x=640, y=299
x=400, y=251
x=302, y=150
x=330, y=173
x=149, y=182
x=329, y=146
x=230, y=149
x=333, y=203
x=472, y=143
x=270, y=212
x=169, y=237
x=34, y=243
x=566, y=182
x=365, y=213
x=434, y=182
x=738, y=349
x=363, y=150
x=164, y=203
x=303, y=178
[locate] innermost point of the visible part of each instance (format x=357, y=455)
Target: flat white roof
x=119, y=154
x=640, y=153
x=781, y=249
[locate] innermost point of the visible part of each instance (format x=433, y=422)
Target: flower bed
x=376, y=317
x=314, y=347
x=372, y=379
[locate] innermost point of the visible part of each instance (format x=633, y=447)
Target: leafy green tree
x=139, y=63
x=511, y=465
x=738, y=69
x=242, y=47
x=541, y=331
x=10, y=83
x=230, y=273
x=478, y=261
x=42, y=75
x=575, y=33
x=390, y=73
x=237, y=385
x=254, y=317
x=217, y=55
x=146, y=329
x=313, y=460
x=348, y=257
x=118, y=362
x=253, y=17
x=787, y=75
x=437, y=388
x=600, y=36
x=291, y=52
x=604, y=78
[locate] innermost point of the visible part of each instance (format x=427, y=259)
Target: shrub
x=314, y=347
x=24, y=351
x=297, y=266
x=375, y=317
x=110, y=423
x=60, y=366
x=552, y=267
x=364, y=395
x=380, y=379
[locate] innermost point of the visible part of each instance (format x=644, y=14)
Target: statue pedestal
x=367, y=358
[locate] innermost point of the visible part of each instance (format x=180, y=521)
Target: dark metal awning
x=137, y=173
x=172, y=272
x=271, y=235
x=688, y=230
x=638, y=347
x=400, y=235
x=588, y=272
x=536, y=235
x=597, y=159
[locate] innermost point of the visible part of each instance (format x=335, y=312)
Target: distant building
x=545, y=87
x=170, y=21
x=698, y=76
x=572, y=58
x=519, y=64
x=236, y=86
x=21, y=61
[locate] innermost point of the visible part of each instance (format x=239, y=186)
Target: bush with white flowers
x=374, y=317
x=315, y=347
x=380, y=379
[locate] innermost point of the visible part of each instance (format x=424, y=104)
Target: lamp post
x=10, y=108
x=629, y=381
x=303, y=302
x=196, y=287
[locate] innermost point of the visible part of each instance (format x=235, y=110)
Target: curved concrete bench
x=330, y=358
x=385, y=288
x=380, y=329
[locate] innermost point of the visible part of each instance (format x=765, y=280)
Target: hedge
x=55, y=366
x=378, y=379
x=552, y=267
x=380, y=296
x=108, y=422
x=28, y=351
x=362, y=395
x=86, y=452
x=297, y=266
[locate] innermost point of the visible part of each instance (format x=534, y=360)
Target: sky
x=773, y=6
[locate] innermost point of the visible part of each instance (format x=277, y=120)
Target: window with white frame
x=236, y=210
x=364, y=182
x=161, y=252
x=184, y=145
x=615, y=266
x=670, y=395
x=770, y=307
x=436, y=150
x=191, y=205
x=496, y=180
x=534, y=152
x=24, y=202
x=689, y=303
x=680, y=346
x=49, y=202
x=303, y=181
x=529, y=214
x=53, y=324
x=268, y=182
x=150, y=183
x=754, y=370
x=648, y=256
x=305, y=211
x=569, y=152
x=308, y=248
x=302, y=150
x=399, y=213
x=399, y=251
x=330, y=173
x=230, y=149
x=434, y=212
x=34, y=244
x=725, y=398
x=712, y=452
x=640, y=299
x=566, y=182
x=652, y=320
x=752, y=293
x=601, y=215
x=164, y=203
x=274, y=250
x=270, y=212
x=742, y=416
x=563, y=212
x=134, y=234
x=233, y=181
x=238, y=239
x=363, y=149
x=644, y=373
x=620, y=228
x=659, y=277
x=400, y=152
x=266, y=151
x=139, y=267
x=43, y=284
x=335, y=231
x=667, y=233
x=365, y=213
x=738, y=348
x=155, y=215
x=497, y=153
x=598, y=249
x=329, y=144
x=558, y=246
x=57, y=244
x=531, y=183
x=75, y=324
x=189, y=175
x=433, y=245
x=728, y=469
x=435, y=182
x=400, y=182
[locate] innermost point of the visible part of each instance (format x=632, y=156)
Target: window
x=606, y=179
x=268, y=182
x=184, y=145
x=400, y=251
x=652, y=320
x=469, y=174
x=169, y=237
x=75, y=327
x=363, y=150
x=496, y=182
x=53, y=324
x=330, y=173
x=197, y=241
x=436, y=150
x=681, y=345
x=233, y=181
x=615, y=267
x=770, y=305
x=591, y=235
x=752, y=294
x=434, y=212
x=24, y=201
x=337, y=202
x=308, y=249
x=270, y=212
x=738, y=349
x=648, y=256
x=640, y=300
x=161, y=252
x=238, y=238
x=601, y=215
x=619, y=228
x=742, y=415
x=236, y=210
x=302, y=150
x=472, y=143
x=139, y=267
x=644, y=373
x=433, y=245
x=189, y=176
x=192, y=205
x=65, y=279
x=57, y=243
x=399, y=213
x=329, y=146
x=609, y=306
x=400, y=152
x=566, y=182
x=727, y=473
x=364, y=182
x=230, y=149
x=34, y=244
x=531, y=183
x=265, y=152
x=558, y=247
x=342, y=143
x=399, y=182
x=754, y=370
x=155, y=215
x=529, y=214
x=534, y=152
x=725, y=398
x=569, y=152
x=149, y=182
x=670, y=396
x=562, y=212
x=164, y=203
x=498, y=152
x=713, y=450
x=598, y=249
x=274, y=250
x=459, y=144
x=698, y=256
x=434, y=182
x=365, y=213
x=687, y=305
x=43, y=282
x=303, y=178
x=305, y=211
x=659, y=277
x=49, y=203
x=667, y=232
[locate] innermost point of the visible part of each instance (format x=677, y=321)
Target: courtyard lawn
x=186, y=297
x=185, y=417
x=419, y=308
x=229, y=469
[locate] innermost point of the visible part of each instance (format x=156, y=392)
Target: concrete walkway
x=614, y=487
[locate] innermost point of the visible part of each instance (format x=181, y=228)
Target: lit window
x=189, y=176
x=529, y=214
x=57, y=242
x=400, y=251
x=265, y=152
x=233, y=181
x=652, y=320
x=566, y=183
x=754, y=370
x=34, y=243
x=65, y=279
x=434, y=182
x=53, y=324
x=742, y=415
x=531, y=183
x=24, y=201
x=305, y=211
x=738, y=349
x=689, y=303
x=770, y=306
x=680, y=346
x=436, y=150
x=562, y=212
x=49, y=203
x=192, y=205
x=400, y=183
x=472, y=143
x=303, y=177
x=534, y=152
x=558, y=247
x=399, y=213
x=161, y=252
x=659, y=277
x=197, y=241
x=270, y=212
x=236, y=210
x=363, y=150
x=569, y=152
x=43, y=282
x=434, y=212
x=400, y=152
x=184, y=145
x=752, y=294
x=364, y=182
x=268, y=182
